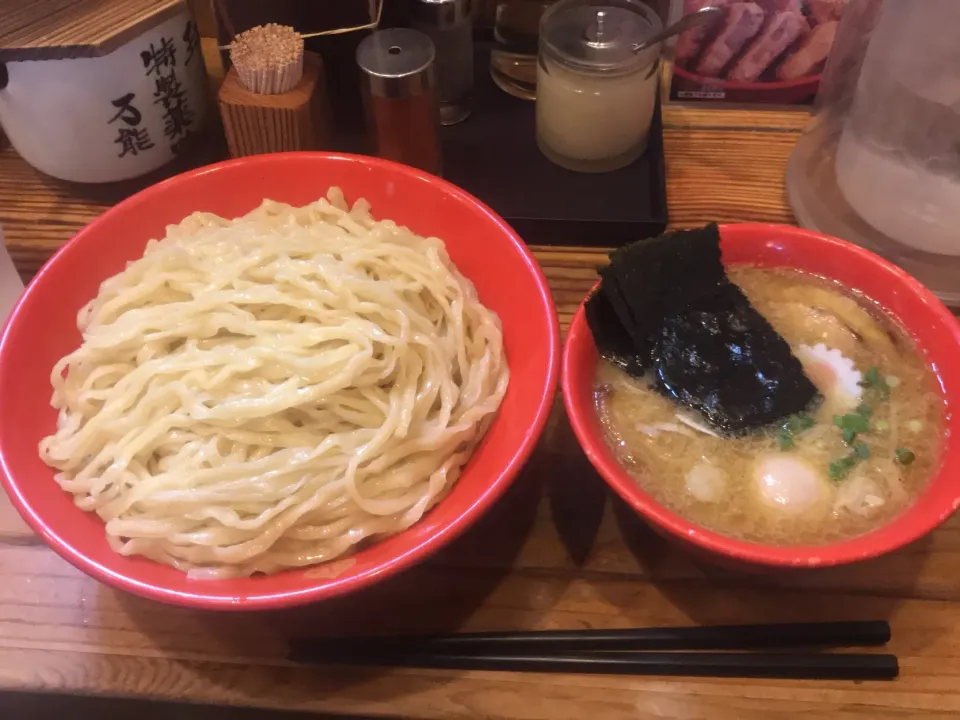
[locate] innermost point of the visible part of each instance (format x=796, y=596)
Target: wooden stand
x=294, y=120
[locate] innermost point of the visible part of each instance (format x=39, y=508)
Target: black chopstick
x=806, y=666
x=718, y=637
x=636, y=651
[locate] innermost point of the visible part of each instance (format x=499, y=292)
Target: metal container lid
x=442, y=13
x=397, y=62
x=600, y=35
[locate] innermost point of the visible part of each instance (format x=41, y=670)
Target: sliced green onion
x=904, y=456
x=839, y=469
x=849, y=436
x=864, y=409
x=861, y=450
x=784, y=439
x=873, y=379
x=795, y=425
x=852, y=421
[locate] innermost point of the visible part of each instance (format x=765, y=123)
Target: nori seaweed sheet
x=612, y=342
x=666, y=308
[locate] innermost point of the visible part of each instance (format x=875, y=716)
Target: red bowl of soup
x=347, y=284
x=911, y=401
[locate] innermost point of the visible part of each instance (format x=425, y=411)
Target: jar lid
x=600, y=35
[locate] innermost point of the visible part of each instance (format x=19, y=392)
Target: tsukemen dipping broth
x=727, y=447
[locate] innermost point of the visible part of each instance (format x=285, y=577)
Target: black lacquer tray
x=493, y=154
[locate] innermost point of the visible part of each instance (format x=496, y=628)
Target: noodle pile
x=267, y=392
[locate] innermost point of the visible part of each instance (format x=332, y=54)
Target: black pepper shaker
x=449, y=23
x=400, y=97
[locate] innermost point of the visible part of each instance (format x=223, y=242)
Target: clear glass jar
x=595, y=94
x=449, y=24
x=513, y=59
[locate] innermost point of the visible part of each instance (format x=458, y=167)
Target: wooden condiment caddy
x=273, y=98
x=294, y=120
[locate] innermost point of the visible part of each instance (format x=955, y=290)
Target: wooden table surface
x=557, y=552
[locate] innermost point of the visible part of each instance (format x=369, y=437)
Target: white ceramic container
x=113, y=117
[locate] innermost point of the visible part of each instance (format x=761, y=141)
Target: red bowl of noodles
x=43, y=328
x=935, y=333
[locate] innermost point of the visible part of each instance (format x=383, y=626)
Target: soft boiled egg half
x=789, y=484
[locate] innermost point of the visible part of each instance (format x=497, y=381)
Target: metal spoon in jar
x=704, y=15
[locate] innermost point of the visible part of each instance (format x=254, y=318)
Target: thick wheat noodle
x=267, y=392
